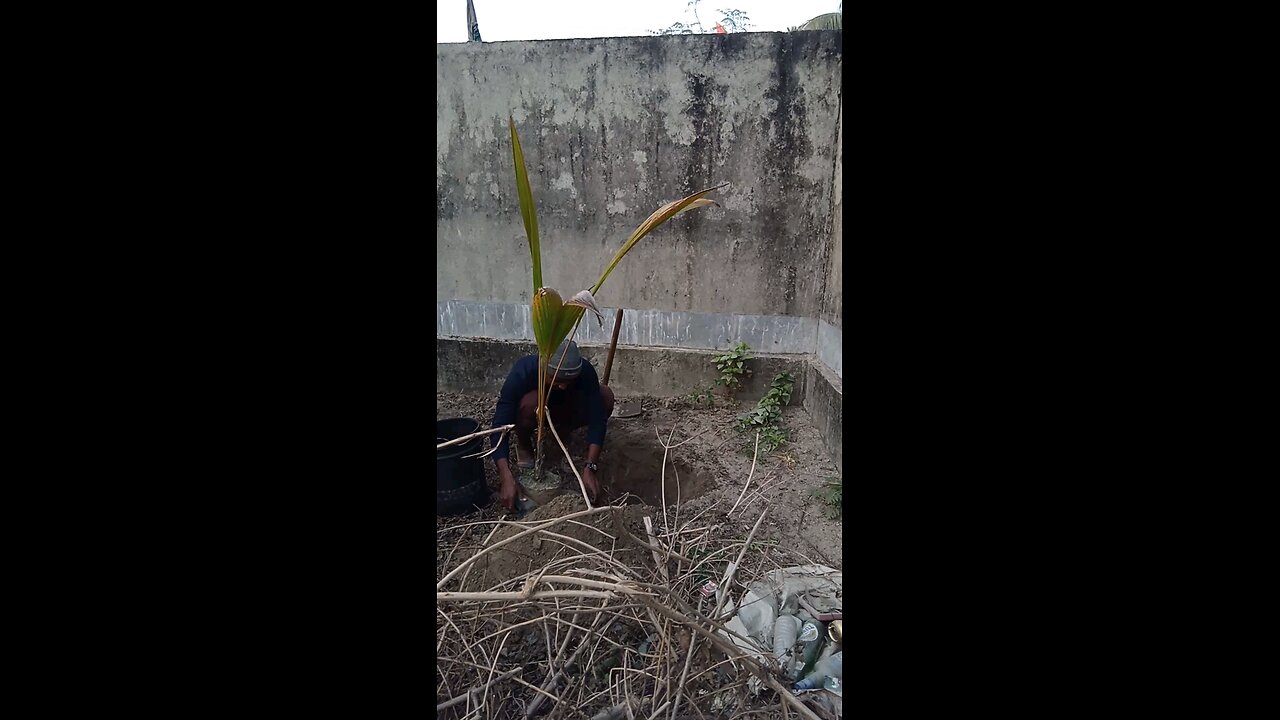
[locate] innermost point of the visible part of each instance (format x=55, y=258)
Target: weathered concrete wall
x=833, y=297
x=824, y=392
x=614, y=128
x=481, y=366
x=649, y=328
x=830, y=338
x=824, y=401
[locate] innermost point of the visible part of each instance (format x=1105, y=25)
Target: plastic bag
x=759, y=609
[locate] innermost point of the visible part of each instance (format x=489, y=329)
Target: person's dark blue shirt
x=584, y=394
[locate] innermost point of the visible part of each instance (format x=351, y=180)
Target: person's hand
x=507, y=493
x=593, y=484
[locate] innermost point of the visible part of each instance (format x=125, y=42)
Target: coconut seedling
x=554, y=319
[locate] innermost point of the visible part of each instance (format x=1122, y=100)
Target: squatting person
x=575, y=399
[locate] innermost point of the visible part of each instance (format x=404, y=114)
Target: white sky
x=550, y=19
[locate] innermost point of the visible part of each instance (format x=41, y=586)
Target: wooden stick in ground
x=657, y=559
x=749, y=475
x=624, y=533
x=613, y=345
x=666, y=448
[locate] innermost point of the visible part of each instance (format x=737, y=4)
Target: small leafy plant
x=831, y=493
x=766, y=414
x=704, y=396
x=731, y=366
x=769, y=409
x=772, y=438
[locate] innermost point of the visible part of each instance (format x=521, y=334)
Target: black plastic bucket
x=460, y=485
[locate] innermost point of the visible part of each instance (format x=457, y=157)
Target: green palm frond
x=527, y=210
x=659, y=216
x=553, y=318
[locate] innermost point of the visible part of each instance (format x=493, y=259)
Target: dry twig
x=581, y=616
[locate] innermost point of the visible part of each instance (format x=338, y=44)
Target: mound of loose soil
x=588, y=534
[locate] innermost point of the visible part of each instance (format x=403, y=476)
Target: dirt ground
x=704, y=474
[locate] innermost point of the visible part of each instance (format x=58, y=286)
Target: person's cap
x=567, y=359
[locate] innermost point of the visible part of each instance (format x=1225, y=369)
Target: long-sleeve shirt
x=584, y=396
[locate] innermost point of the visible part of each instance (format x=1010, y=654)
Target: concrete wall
x=824, y=401
x=611, y=130
x=614, y=128
x=480, y=367
x=833, y=297
x=824, y=394
x=647, y=328
x=830, y=338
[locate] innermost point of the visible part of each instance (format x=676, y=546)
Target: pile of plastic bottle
x=809, y=650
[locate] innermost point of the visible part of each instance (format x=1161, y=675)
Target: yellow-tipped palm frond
x=659, y=216
x=553, y=318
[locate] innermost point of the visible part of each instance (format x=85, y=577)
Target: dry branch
x=550, y=523
x=733, y=567
x=752, y=665
x=458, y=441
x=572, y=465
x=751, y=474
x=581, y=617
x=657, y=558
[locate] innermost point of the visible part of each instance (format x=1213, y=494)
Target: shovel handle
x=613, y=345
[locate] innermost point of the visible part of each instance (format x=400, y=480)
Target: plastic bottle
x=829, y=667
x=795, y=669
x=813, y=633
x=785, y=630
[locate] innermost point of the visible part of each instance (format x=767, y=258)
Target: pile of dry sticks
x=623, y=626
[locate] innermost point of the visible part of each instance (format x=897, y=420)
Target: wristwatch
x=593, y=467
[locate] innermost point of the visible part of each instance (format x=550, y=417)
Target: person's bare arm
x=597, y=426
x=506, y=484
x=505, y=414
x=589, y=477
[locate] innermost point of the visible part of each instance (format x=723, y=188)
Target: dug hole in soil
x=706, y=472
